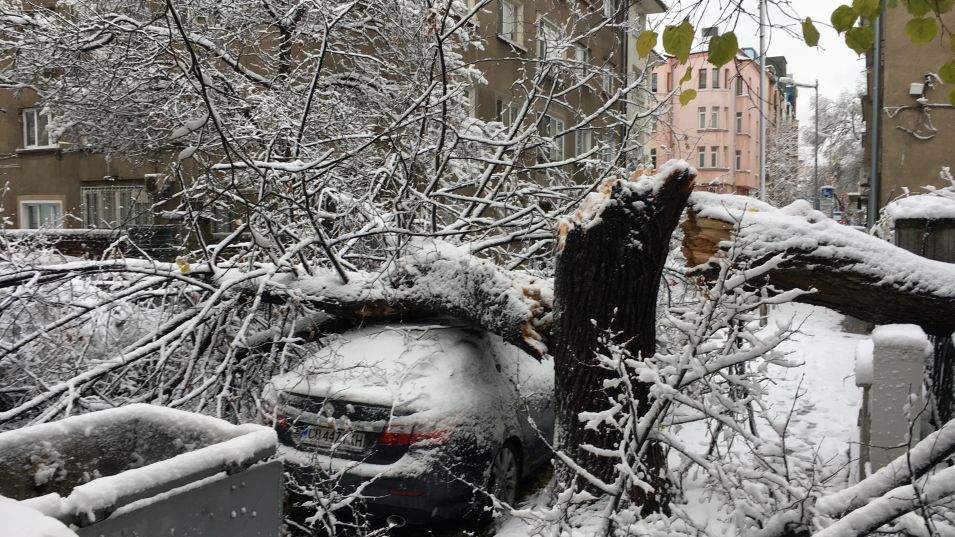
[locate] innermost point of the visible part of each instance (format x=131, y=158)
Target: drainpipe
x=875, y=180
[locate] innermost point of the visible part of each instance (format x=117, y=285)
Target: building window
x=470, y=100
x=653, y=158
x=739, y=85
x=550, y=127
x=112, y=207
x=548, y=39
x=509, y=21
x=41, y=214
x=739, y=159
x=504, y=113
x=608, y=78
x=702, y=112
x=611, y=7
x=653, y=82
x=702, y=78
x=583, y=142
x=739, y=122
x=713, y=150
x=716, y=78
x=36, y=128
x=715, y=117
x=702, y=155
x=582, y=57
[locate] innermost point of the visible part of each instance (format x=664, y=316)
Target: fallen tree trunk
x=436, y=280
x=847, y=270
x=607, y=278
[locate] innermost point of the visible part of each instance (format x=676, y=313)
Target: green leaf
x=686, y=96
x=677, y=40
x=867, y=9
x=947, y=72
x=944, y=6
x=921, y=31
x=917, y=8
x=686, y=75
x=843, y=18
x=810, y=33
x=723, y=48
x=645, y=43
x=859, y=39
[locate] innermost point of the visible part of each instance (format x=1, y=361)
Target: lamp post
x=815, y=142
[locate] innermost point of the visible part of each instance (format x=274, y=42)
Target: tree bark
x=844, y=269
x=607, y=277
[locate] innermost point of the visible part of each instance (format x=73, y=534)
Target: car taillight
x=272, y=418
x=407, y=435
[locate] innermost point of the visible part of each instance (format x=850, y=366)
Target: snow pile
x=140, y=447
x=922, y=207
x=901, y=335
x=23, y=521
x=763, y=231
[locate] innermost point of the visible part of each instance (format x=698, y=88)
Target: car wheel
x=505, y=469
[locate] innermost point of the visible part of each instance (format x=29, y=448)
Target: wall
x=906, y=161
x=56, y=173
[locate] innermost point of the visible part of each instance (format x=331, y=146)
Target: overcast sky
x=836, y=66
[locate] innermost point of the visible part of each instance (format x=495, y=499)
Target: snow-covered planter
x=148, y=470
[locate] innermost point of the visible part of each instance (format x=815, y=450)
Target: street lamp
x=788, y=81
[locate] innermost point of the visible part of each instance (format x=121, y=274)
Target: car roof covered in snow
x=409, y=367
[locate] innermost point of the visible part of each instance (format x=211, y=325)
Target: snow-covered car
x=414, y=418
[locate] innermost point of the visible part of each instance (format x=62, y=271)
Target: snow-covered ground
x=823, y=419
x=821, y=394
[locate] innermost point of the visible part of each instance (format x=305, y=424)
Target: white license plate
x=316, y=435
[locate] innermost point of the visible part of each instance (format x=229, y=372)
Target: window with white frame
x=582, y=58
x=583, y=142
x=504, y=112
x=550, y=126
x=470, y=100
x=715, y=117
x=548, y=40
x=739, y=159
x=702, y=113
x=608, y=78
x=713, y=151
x=739, y=122
x=653, y=82
x=653, y=158
x=611, y=7
x=716, y=79
x=36, y=128
x=36, y=214
x=509, y=20
x=111, y=207
x=702, y=157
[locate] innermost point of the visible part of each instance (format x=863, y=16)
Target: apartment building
x=718, y=131
x=53, y=181
x=517, y=33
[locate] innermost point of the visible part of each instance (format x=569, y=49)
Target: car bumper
x=413, y=488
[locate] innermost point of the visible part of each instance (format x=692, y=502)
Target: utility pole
x=762, y=100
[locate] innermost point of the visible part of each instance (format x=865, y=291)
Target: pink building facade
x=718, y=131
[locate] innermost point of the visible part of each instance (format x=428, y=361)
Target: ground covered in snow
x=820, y=396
